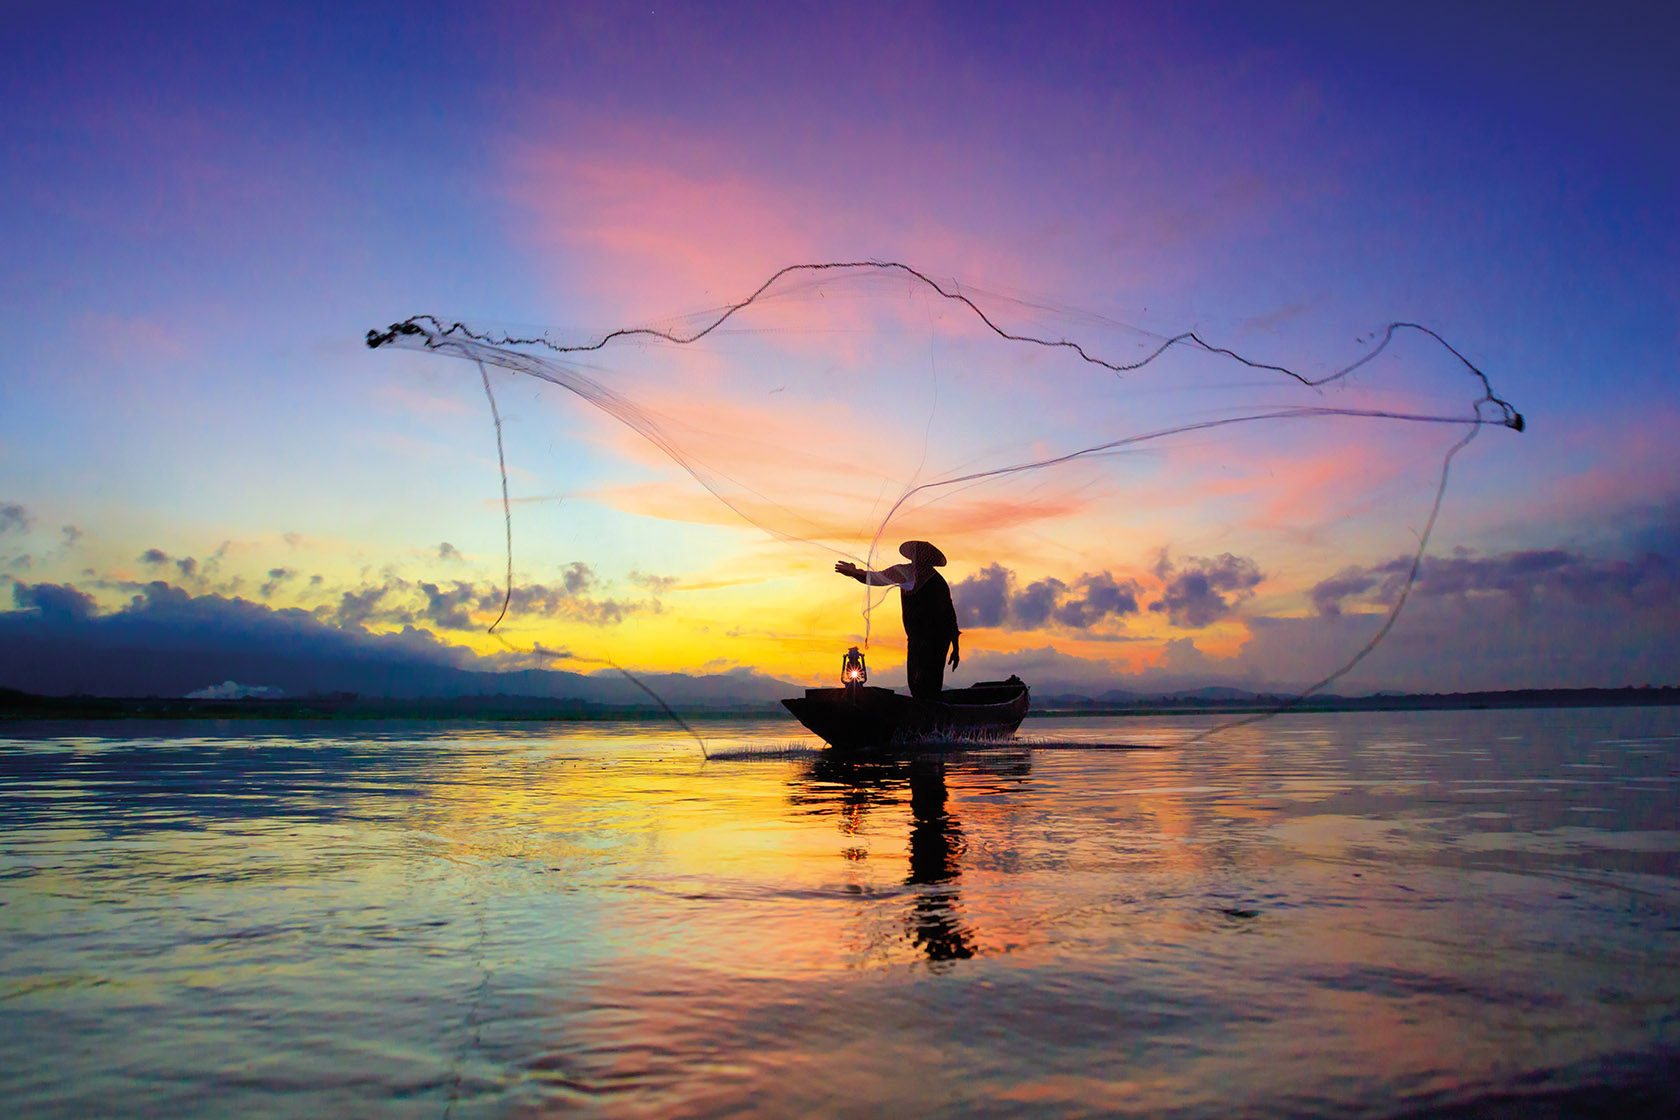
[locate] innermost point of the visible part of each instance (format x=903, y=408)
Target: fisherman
x=930, y=621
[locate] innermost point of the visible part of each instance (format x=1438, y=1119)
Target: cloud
x=1179, y=656
x=1031, y=608
x=203, y=573
x=166, y=641
x=361, y=606
x=1528, y=576
x=71, y=534
x=233, y=690
x=1052, y=672
x=1459, y=643
x=448, y=609
x=828, y=512
x=1327, y=595
x=656, y=585
x=447, y=551
x=14, y=516
x=452, y=607
x=1203, y=590
x=556, y=601
x=577, y=578
x=276, y=577
x=621, y=210
x=1100, y=596
x=1656, y=529
x=655, y=213
x=1536, y=618
x=56, y=602
x=989, y=598
x=982, y=599
x=611, y=612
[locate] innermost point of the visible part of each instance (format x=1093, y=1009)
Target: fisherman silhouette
x=930, y=620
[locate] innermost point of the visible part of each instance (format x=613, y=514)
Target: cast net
x=1153, y=503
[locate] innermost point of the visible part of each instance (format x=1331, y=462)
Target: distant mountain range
x=224, y=703
x=1122, y=696
x=258, y=676
x=213, y=654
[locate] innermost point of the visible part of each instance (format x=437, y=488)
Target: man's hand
x=956, y=655
x=847, y=568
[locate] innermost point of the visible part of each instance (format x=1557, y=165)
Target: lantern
x=852, y=670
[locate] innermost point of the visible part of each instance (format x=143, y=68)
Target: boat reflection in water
x=853, y=788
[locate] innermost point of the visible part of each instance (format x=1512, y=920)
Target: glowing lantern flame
x=852, y=670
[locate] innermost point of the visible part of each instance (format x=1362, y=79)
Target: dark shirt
x=928, y=613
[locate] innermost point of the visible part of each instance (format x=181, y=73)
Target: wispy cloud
x=15, y=518
x=277, y=577
x=1526, y=576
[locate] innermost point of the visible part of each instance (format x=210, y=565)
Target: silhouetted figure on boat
x=930, y=620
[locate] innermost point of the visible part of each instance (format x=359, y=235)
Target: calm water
x=1471, y=913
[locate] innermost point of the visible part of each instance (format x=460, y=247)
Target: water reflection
x=936, y=849
x=851, y=789
x=1390, y=914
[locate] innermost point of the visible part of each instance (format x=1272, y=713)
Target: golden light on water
x=546, y=914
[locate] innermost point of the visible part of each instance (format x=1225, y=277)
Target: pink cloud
x=651, y=220
x=954, y=521
x=1627, y=460
x=423, y=403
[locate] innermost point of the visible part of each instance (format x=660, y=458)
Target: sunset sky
x=204, y=209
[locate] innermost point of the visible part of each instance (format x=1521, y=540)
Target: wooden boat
x=858, y=717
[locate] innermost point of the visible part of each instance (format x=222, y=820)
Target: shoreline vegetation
x=18, y=706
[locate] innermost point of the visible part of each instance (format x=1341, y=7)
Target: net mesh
x=1141, y=488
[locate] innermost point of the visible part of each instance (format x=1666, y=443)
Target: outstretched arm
x=894, y=576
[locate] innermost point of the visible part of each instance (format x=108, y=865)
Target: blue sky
x=204, y=209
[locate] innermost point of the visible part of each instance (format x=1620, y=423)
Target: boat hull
x=861, y=718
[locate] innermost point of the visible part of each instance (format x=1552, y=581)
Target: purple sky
x=204, y=209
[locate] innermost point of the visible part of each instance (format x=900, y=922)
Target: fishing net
x=1132, y=496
